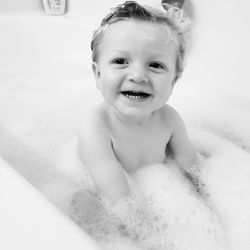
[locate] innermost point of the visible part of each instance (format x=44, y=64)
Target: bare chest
x=140, y=148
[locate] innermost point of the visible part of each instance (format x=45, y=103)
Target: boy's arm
x=182, y=150
x=95, y=151
x=125, y=205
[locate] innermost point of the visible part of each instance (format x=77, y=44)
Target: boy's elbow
x=187, y=159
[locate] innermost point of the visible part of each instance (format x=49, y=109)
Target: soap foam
x=181, y=218
x=186, y=218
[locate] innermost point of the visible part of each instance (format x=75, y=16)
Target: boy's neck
x=129, y=121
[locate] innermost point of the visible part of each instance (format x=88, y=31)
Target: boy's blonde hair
x=173, y=17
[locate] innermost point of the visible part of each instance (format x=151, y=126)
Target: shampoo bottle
x=54, y=7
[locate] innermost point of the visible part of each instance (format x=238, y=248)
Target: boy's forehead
x=149, y=37
x=142, y=31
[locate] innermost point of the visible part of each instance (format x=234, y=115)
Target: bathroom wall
x=221, y=46
x=9, y=6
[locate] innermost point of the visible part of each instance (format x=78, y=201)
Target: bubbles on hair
x=176, y=3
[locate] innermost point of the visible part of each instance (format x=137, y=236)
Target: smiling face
x=135, y=69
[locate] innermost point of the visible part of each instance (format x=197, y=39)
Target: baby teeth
x=134, y=96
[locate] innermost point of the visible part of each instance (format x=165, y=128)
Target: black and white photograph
x=124, y=125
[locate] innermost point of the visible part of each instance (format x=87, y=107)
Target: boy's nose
x=138, y=74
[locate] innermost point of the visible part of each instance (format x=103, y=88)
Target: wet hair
x=174, y=18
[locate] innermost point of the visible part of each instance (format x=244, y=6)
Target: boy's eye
x=156, y=65
x=120, y=61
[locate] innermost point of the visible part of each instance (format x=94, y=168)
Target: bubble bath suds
x=213, y=216
x=182, y=218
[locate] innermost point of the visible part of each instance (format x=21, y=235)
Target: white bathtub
x=46, y=85
x=29, y=221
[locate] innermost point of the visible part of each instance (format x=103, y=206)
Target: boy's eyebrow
x=156, y=54
x=159, y=55
x=119, y=51
x=153, y=56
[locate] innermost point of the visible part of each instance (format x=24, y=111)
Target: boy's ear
x=173, y=83
x=97, y=74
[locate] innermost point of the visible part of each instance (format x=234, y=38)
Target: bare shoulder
x=172, y=118
x=95, y=120
x=93, y=134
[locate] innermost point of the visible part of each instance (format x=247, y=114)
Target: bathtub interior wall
x=46, y=86
x=28, y=218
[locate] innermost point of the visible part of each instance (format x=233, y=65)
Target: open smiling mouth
x=136, y=95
